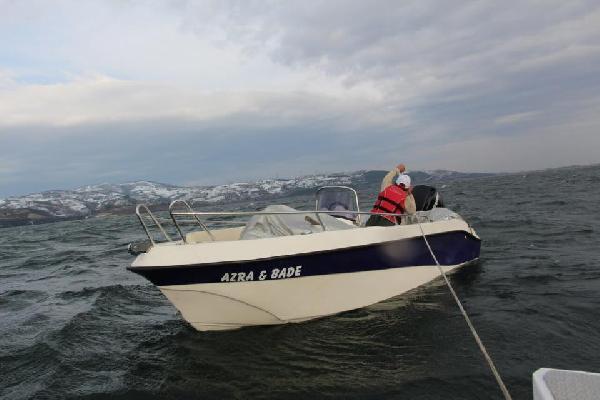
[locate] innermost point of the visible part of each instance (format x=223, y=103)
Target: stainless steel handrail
x=339, y=187
x=196, y=214
x=173, y=203
x=138, y=212
x=247, y=213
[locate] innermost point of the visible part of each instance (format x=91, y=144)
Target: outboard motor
x=426, y=197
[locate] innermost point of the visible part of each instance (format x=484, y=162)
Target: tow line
x=486, y=355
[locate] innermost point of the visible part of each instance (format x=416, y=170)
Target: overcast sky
x=207, y=92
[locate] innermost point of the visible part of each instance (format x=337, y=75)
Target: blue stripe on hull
x=450, y=248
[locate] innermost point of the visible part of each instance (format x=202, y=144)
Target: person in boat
x=394, y=199
x=389, y=178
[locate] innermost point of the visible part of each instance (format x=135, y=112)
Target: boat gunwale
x=279, y=257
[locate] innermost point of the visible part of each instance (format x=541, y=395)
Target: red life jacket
x=391, y=200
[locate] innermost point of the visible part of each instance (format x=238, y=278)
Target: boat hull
x=217, y=306
x=233, y=284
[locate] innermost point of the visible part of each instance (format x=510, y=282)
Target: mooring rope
x=468, y=320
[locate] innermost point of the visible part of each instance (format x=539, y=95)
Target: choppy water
x=75, y=324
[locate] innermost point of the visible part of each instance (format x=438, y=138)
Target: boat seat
x=220, y=235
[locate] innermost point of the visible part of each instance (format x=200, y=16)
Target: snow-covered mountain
x=92, y=200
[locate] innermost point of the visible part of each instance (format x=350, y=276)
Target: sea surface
x=74, y=323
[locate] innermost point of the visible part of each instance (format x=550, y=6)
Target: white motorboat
x=286, y=265
x=563, y=384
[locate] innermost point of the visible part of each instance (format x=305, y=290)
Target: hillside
x=88, y=201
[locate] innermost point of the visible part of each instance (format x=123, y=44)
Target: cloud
x=514, y=118
x=574, y=142
x=176, y=151
x=94, y=91
x=99, y=129
x=97, y=99
x=450, y=70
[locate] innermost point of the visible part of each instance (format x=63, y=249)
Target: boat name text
x=275, y=273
